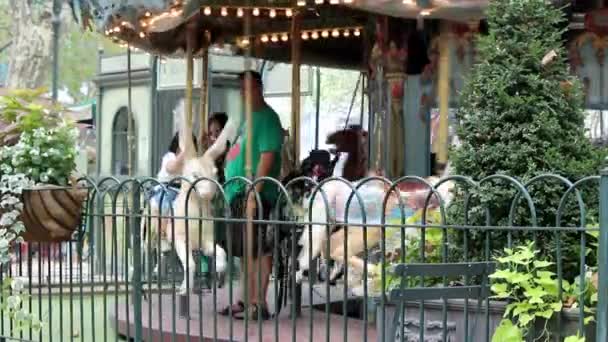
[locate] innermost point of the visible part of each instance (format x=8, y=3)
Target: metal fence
x=375, y=260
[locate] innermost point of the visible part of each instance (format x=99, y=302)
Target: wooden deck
x=164, y=324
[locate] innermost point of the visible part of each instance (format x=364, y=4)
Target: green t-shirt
x=267, y=137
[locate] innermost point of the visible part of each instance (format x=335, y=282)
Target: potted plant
x=39, y=143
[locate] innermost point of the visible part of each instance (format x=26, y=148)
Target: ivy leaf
x=535, y=295
x=557, y=306
x=521, y=308
x=525, y=319
x=545, y=314
x=507, y=332
x=573, y=338
x=542, y=264
x=501, y=290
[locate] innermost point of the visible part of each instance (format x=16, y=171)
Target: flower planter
x=433, y=318
x=51, y=213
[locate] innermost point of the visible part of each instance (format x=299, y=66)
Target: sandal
x=236, y=308
x=254, y=313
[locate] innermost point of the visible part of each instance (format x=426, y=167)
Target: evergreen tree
x=521, y=117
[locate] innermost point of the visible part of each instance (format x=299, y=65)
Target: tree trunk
x=30, y=54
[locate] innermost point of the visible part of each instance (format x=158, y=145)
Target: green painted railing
x=101, y=286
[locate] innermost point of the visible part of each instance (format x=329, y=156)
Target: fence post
x=602, y=306
x=137, y=263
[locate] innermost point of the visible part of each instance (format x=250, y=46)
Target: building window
x=120, y=142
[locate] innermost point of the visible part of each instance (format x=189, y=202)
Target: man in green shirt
x=267, y=141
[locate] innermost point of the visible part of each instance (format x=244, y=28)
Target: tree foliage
x=523, y=118
x=77, y=50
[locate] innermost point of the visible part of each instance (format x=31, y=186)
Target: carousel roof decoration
x=159, y=27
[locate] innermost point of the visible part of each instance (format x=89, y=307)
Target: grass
x=68, y=320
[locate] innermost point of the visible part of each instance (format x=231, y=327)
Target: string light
x=207, y=11
x=305, y=35
x=408, y=2
x=334, y=2
x=288, y=13
x=256, y=11
x=319, y=2
x=148, y=14
x=239, y=12
x=117, y=29
x=224, y=11
x=425, y=13
x=142, y=35
x=301, y=3
x=272, y=13
x=245, y=41
x=348, y=1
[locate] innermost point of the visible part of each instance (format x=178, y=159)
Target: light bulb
x=315, y=35
x=334, y=2
x=305, y=35
x=144, y=23
x=239, y=12
x=346, y=33
x=224, y=11
x=284, y=37
x=425, y=13
x=357, y=33
x=272, y=13
x=274, y=38
x=319, y=2
x=245, y=41
x=142, y=35
x=348, y=1
x=288, y=13
x=148, y=14
x=335, y=33
x=256, y=12
x=264, y=39
x=207, y=11
x=117, y=29
x=301, y=3
x=325, y=34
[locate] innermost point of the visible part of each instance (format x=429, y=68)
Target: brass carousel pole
x=204, y=96
x=248, y=168
x=295, y=87
x=444, y=95
x=295, y=123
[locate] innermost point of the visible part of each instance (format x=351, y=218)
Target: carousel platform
x=161, y=320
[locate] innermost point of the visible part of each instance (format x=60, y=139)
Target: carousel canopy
x=331, y=30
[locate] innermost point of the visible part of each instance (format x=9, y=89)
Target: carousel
x=411, y=53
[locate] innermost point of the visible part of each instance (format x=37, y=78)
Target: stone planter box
x=456, y=321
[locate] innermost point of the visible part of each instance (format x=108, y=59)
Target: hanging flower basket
x=52, y=213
